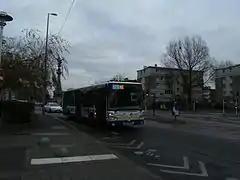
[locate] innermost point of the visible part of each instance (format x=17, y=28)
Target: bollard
x=61, y=152
x=44, y=142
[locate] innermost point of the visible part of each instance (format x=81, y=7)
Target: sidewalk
x=72, y=155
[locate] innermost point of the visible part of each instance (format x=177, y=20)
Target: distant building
x=227, y=82
x=209, y=95
x=166, y=83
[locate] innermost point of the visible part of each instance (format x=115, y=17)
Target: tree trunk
x=190, y=89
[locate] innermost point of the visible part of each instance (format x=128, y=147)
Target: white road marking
x=46, y=161
x=108, y=138
x=185, y=164
x=201, y=166
x=232, y=178
x=42, y=161
x=140, y=145
x=129, y=147
x=120, y=144
x=151, y=150
x=50, y=134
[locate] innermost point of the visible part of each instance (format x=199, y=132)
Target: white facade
x=165, y=83
x=224, y=80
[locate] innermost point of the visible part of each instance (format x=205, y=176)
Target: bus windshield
x=125, y=96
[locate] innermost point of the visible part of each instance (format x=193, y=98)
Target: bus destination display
x=117, y=87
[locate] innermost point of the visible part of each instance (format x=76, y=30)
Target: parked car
x=52, y=107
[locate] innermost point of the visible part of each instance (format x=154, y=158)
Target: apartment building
x=227, y=82
x=166, y=83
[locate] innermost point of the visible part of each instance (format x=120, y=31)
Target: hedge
x=16, y=112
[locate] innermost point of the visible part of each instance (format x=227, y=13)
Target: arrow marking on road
x=201, y=166
x=108, y=138
x=140, y=145
x=185, y=164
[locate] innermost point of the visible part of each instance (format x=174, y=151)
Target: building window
x=161, y=78
x=223, y=70
x=168, y=91
x=177, y=89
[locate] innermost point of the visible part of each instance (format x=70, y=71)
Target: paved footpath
x=50, y=149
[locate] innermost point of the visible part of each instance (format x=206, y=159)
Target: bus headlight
x=111, y=115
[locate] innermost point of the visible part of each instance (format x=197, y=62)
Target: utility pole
x=59, y=74
x=46, y=57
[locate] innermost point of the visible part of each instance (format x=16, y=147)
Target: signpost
x=223, y=110
x=194, y=106
x=236, y=102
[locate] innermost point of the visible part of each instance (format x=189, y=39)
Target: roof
x=165, y=68
x=103, y=85
x=237, y=65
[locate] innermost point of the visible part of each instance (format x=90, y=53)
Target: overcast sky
x=120, y=36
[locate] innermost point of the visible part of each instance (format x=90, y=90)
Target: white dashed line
x=42, y=161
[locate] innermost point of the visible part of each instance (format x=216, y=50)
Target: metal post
x=194, y=106
x=236, y=106
x=223, y=110
x=2, y=24
x=45, y=61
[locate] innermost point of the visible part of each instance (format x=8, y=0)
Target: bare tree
x=190, y=55
x=119, y=77
x=23, y=59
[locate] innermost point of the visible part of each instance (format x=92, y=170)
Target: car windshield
x=53, y=104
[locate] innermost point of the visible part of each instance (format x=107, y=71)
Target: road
x=172, y=153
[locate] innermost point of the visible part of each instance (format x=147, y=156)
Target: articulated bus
x=110, y=103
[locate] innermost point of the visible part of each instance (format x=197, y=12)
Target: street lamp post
x=4, y=17
x=46, y=55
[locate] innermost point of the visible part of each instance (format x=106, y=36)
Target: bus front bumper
x=128, y=122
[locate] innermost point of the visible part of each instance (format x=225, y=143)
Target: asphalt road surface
x=173, y=154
